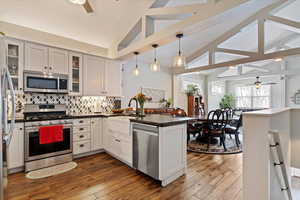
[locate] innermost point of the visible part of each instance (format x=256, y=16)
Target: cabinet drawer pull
x=21, y=129
x=82, y=145
x=81, y=136
x=81, y=129
x=117, y=140
x=81, y=121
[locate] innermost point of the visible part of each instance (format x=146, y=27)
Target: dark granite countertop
x=161, y=120
x=77, y=116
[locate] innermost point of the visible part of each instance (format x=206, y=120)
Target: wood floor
x=209, y=177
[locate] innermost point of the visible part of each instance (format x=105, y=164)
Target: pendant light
x=179, y=60
x=155, y=66
x=136, y=70
x=257, y=83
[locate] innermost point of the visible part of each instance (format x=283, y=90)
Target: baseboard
x=88, y=154
x=16, y=170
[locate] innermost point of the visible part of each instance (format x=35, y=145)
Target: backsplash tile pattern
x=75, y=104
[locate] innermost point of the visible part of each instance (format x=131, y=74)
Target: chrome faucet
x=136, y=105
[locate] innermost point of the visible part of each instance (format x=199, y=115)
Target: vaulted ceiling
x=110, y=19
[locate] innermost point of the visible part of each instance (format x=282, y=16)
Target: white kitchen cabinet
x=172, y=153
x=117, y=138
x=94, y=73
x=58, y=61
x=114, y=78
x=15, y=62
x=48, y=60
x=15, y=151
x=36, y=57
x=75, y=73
x=96, y=134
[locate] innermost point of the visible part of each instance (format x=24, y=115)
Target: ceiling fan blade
x=87, y=6
x=269, y=83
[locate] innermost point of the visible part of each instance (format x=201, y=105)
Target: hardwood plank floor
x=209, y=177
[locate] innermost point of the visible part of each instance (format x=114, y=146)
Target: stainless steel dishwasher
x=145, y=149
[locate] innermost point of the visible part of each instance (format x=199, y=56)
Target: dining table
x=203, y=119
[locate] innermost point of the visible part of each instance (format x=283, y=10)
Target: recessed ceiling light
x=80, y=2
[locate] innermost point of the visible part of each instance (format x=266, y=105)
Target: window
x=217, y=88
x=250, y=97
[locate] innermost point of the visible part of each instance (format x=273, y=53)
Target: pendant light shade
x=80, y=2
x=179, y=60
x=136, y=71
x=257, y=83
x=155, y=66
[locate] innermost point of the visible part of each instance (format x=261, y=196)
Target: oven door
x=34, y=150
x=36, y=82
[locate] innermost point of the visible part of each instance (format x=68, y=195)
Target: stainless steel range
x=38, y=155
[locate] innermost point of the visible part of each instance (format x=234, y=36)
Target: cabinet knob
x=21, y=129
x=45, y=67
x=50, y=68
x=82, y=145
x=81, y=136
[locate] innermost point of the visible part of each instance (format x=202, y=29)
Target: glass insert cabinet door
x=75, y=70
x=15, y=62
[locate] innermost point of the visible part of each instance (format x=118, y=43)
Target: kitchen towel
x=51, y=134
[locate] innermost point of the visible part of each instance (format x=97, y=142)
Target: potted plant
x=227, y=101
x=192, y=90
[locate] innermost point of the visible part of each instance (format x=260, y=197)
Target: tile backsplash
x=75, y=104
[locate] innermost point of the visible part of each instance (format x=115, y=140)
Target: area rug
x=196, y=146
x=51, y=171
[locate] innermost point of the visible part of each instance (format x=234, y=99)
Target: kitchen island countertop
x=161, y=120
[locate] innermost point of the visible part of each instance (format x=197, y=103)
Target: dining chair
x=235, y=130
x=217, y=121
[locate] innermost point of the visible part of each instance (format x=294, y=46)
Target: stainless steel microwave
x=45, y=83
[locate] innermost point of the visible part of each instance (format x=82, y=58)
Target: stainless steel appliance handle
x=36, y=128
x=10, y=129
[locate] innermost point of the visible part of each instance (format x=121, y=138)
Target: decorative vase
x=142, y=111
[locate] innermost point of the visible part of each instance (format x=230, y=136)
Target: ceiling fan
x=258, y=83
x=85, y=3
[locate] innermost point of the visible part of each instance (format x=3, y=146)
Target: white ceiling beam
x=211, y=57
x=237, y=52
x=167, y=35
x=274, y=55
x=147, y=26
x=261, y=36
x=286, y=23
x=131, y=35
x=259, y=14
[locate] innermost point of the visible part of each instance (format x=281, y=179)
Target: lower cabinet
x=117, y=138
x=96, y=134
x=87, y=135
x=15, y=150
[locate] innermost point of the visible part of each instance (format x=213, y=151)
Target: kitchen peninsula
x=159, y=146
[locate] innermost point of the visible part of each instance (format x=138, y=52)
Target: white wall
x=180, y=98
x=147, y=79
x=293, y=81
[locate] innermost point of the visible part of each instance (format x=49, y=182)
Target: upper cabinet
x=75, y=73
x=48, y=60
x=36, y=57
x=15, y=62
x=58, y=61
x=94, y=76
x=114, y=78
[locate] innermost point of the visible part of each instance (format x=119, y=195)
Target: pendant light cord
x=136, y=61
x=155, y=55
x=179, y=52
